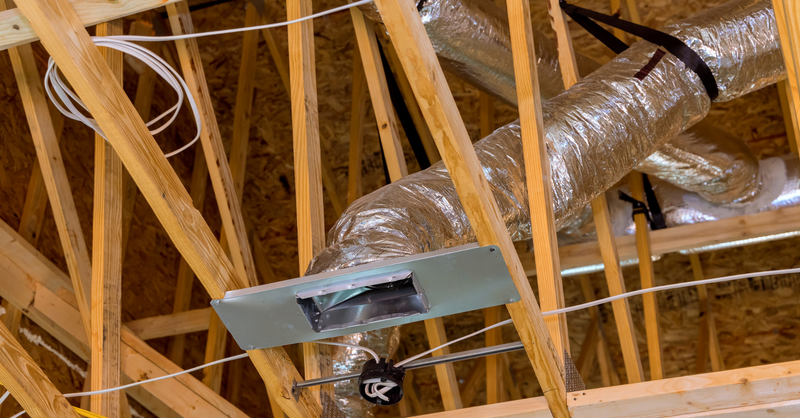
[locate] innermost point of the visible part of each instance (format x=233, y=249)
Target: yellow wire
x=86, y=413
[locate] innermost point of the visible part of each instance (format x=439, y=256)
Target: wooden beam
x=411, y=102
x=35, y=284
x=602, y=220
x=708, y=342
x=492, y=315
x=608, y=372
x=358, y=113
x=470, y=386
x=126, y=131
x=494, y=368
x=216, y=340
x=183, y=286
x=54, y=174
x=445, y=373
x=396, y=165
x=20, y=374
x=379, y=95
x=537, y=173
x=787, y=17
x=616, y=286
x=31, y=220
x=169, y=325
x=277, y=57
x=16, y=30
x=762, y=391
x=79, y=60
x=307, y=166
x=419, y=60
x=789, y=114
x=106, y=296
x=143, y=102
x=218, y=167
x=674, y=239
x=647, y=276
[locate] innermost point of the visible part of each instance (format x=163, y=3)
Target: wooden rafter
x=647, y=275
x=185, y=279
x=419, y=61
x=787, y=16
x=55, y=176
x=411, y=102
x=537, y=171
x=106, y=306
x=307, y=165
x=744, y=393
x=674, y=239
x=379, y=95
x=602, y=219
x=708, y=340
x=172, y=324
x=218, y=167
x=32, y=282
x=358, y=113
x=396, y=165
x=83, y=66
x=20, y=374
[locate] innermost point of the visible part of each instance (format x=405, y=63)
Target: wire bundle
x=69, y=102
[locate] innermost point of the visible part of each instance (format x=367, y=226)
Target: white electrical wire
x=70, y=103
x=377, y=388
x=355, y=346
x=136, y=38
x=613, y=298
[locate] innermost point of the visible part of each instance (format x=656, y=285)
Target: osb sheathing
x=757, y=319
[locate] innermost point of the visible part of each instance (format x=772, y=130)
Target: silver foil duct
x=722, y=171
x=781, y=189
x=596, y=132
x=472, y=40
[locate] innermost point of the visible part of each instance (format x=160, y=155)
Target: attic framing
x=58, y=302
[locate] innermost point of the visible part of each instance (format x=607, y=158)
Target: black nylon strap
x=638, y=207
x=672, y=44
x=652, y=203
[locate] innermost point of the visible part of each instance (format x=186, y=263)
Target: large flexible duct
x=472, y=40
x=596, y=132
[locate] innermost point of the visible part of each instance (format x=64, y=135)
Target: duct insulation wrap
x=596, y=132
x=781, y=190
x=472, y=40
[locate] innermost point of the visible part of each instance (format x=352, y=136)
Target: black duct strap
x=652, y=203
x=638, y=207
x=672, y=44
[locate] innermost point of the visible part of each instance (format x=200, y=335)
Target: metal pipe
x=423, y=362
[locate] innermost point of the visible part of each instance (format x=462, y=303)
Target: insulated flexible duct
x=472, y=40
x=596, y=132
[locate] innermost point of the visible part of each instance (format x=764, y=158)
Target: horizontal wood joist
x=16, y=30
x=670, y=240
x=762, y=391
x=44, y=293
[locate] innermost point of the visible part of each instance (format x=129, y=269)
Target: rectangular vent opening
x=363, y=301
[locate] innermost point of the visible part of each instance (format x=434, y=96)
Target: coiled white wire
x=68, y=102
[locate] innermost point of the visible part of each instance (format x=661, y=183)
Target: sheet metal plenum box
x=368, y=297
